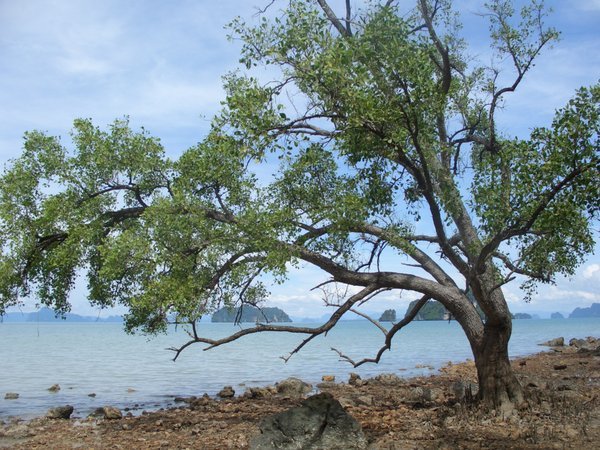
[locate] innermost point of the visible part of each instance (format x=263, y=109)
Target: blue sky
x=161, y=62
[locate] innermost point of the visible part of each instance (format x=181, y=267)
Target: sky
x=161, y=62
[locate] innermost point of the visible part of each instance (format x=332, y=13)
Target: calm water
x=125, y=370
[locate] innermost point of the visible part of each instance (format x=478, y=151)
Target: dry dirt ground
x=563, y=388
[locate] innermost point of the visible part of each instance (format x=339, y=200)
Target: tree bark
x=498, y=385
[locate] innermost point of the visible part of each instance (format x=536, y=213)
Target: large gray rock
x=556, y=342
x=293, y=387
x=319, y=423
x=11, y=396
x=60, y=412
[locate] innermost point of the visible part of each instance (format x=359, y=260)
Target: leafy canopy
x=377, y=126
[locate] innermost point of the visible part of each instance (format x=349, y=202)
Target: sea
x=137, y=373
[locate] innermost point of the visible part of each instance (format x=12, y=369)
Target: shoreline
x=137, y=407
x=562, y=383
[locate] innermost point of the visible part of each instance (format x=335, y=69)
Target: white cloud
x=592, y=272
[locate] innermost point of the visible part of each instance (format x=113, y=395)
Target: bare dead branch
x=370, y=319
x=389, y=335
x=259, y=328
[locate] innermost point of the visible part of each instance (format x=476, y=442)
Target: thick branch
x=332, y=18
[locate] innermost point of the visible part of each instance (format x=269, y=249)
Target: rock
x=260, y=392
x=60, y=412
x=560, y=366
x=319, y=423
x=11, y=396
x=354, y=377
x=328, y=378
x=588, y=344
x=556, y=342
x=92, y=394
x=293, y=387
x=54, y=388
x=226, y=392
x=578, y=343
x=388, y=378
x=200, y=404
x=108, y=412
x=356, y=380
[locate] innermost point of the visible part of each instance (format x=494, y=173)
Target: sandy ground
x=562, y=385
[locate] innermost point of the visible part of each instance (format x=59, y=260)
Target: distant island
x=592, y=311
x=250, y=314
x=49, y=315
x=432, y=310
x=522, y=316
x=556, y=315
x=389, y=315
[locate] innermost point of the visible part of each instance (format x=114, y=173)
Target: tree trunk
x=498, y=385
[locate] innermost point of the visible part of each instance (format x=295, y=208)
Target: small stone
x=130, y=390
x=108, y=412
x=560, y=366
x=92, y=394
x=54, y=388
x=226, y=392
x=328, y=378
x=11, y=396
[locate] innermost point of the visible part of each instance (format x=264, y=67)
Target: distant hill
x=250, y=314
x=592, y=311
x=556, y=315
x=389, y=315
x=48, y=315
x=522, y=316
x=432, y=310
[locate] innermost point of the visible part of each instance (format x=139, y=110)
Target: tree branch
x=389, y=335
x=333, y=19
x=313, y=332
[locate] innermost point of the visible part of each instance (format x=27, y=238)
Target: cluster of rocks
x=589, y=344
x=65, y=411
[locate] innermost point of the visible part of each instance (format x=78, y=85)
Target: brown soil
x=563, y=389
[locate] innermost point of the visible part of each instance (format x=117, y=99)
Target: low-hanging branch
x=259, y=328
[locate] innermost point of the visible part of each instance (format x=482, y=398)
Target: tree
x=382, y=126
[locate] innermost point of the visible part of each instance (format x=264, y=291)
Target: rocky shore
x=385, y=412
